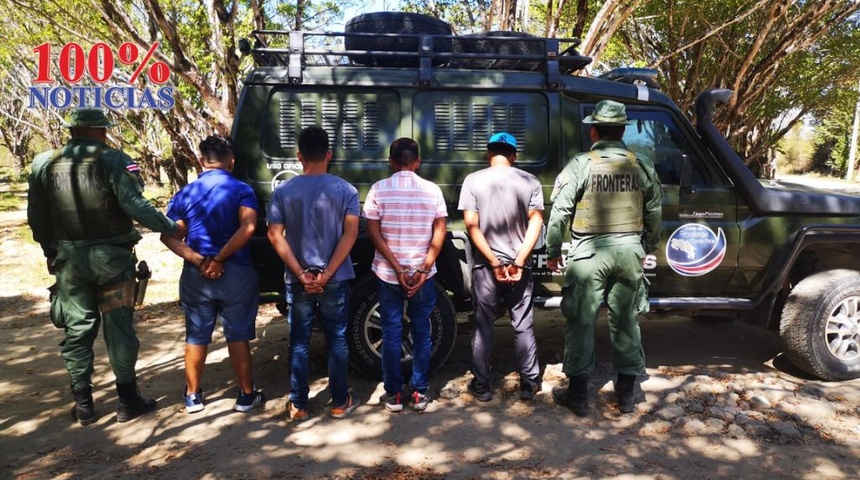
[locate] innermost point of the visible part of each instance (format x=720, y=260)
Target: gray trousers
x=489, y=298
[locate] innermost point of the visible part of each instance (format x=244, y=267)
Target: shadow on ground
x=457, y=438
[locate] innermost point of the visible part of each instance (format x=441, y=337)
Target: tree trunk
x=300, y=13
x=608, y=20
x=150, y=169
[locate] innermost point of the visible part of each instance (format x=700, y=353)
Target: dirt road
x=718, y=401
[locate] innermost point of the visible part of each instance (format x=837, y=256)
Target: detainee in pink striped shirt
x=406, y=223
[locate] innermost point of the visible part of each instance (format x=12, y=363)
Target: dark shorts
x=233, y=297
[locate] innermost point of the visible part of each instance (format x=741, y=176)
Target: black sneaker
x=420, y=401
x=481, y=393
x=393, y=403
x=249, y=401
x=528, y=391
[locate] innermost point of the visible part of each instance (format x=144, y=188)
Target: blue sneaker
x=249, y=401
x=194, y=402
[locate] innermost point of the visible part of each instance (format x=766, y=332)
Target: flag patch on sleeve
x=133, y=168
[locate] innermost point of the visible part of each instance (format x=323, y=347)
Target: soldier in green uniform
x=81, y=203
x=609, y=200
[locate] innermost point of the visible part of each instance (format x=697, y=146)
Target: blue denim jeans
x=333, y=307
x=418, y=308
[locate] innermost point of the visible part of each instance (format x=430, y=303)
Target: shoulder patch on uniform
x=560, y=180
x=133, y=168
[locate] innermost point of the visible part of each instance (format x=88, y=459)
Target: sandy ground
x=718, y=401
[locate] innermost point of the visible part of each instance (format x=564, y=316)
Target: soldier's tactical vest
x=612, y=203
x=83, y=207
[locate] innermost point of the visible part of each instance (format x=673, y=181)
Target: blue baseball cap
x=503, y=138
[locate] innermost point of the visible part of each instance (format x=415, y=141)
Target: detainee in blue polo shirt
x=217, y=279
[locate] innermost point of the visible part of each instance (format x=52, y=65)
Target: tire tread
x=796, y=329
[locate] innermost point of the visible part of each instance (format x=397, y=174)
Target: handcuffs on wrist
x=211, y=258
x=412, y=271
x=316, y=271
x=507, y=264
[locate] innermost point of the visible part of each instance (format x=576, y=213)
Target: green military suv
x=785, y=259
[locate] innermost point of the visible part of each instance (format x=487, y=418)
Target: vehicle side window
x=653, y=135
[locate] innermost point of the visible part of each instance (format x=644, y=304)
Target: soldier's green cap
x=608, y=112
x=87, y=118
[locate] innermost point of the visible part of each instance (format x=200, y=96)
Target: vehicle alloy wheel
x=364, y=333
x=820, y=325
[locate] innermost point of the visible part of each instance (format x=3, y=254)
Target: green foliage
x=464, y=16
x=795, y=153
x=317, y=15
x=832, y=138
x=809, y=68
x=10, y=201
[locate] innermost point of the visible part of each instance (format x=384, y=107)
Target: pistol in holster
x=142, y=276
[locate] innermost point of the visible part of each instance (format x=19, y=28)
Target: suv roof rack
x=493, y=51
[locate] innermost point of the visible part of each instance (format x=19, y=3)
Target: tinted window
x=653, y=135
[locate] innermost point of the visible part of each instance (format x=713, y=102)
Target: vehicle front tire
x=364, y=333
x=820, y=326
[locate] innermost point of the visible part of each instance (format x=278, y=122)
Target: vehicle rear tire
x=527, y=45
x=820, y=326
x=394, y=22
x=364, y=333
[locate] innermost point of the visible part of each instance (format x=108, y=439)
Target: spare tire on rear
x=514, y=43
x=397, y=23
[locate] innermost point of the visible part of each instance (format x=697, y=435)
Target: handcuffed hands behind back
x=314, y=280
x=211, y=268
x=411, y=280
x=508, y=273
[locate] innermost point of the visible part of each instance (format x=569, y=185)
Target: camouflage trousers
x=613, y=275
x=95, y=285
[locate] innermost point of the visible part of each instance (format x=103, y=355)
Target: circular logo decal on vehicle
x=282, y=177
x=694, y=249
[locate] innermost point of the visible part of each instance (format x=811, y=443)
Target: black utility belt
x=124, y=246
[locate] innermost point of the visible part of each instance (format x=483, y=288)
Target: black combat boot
x=575, y=397
x=624, y=392
x=84, y=411
x=131, y=404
